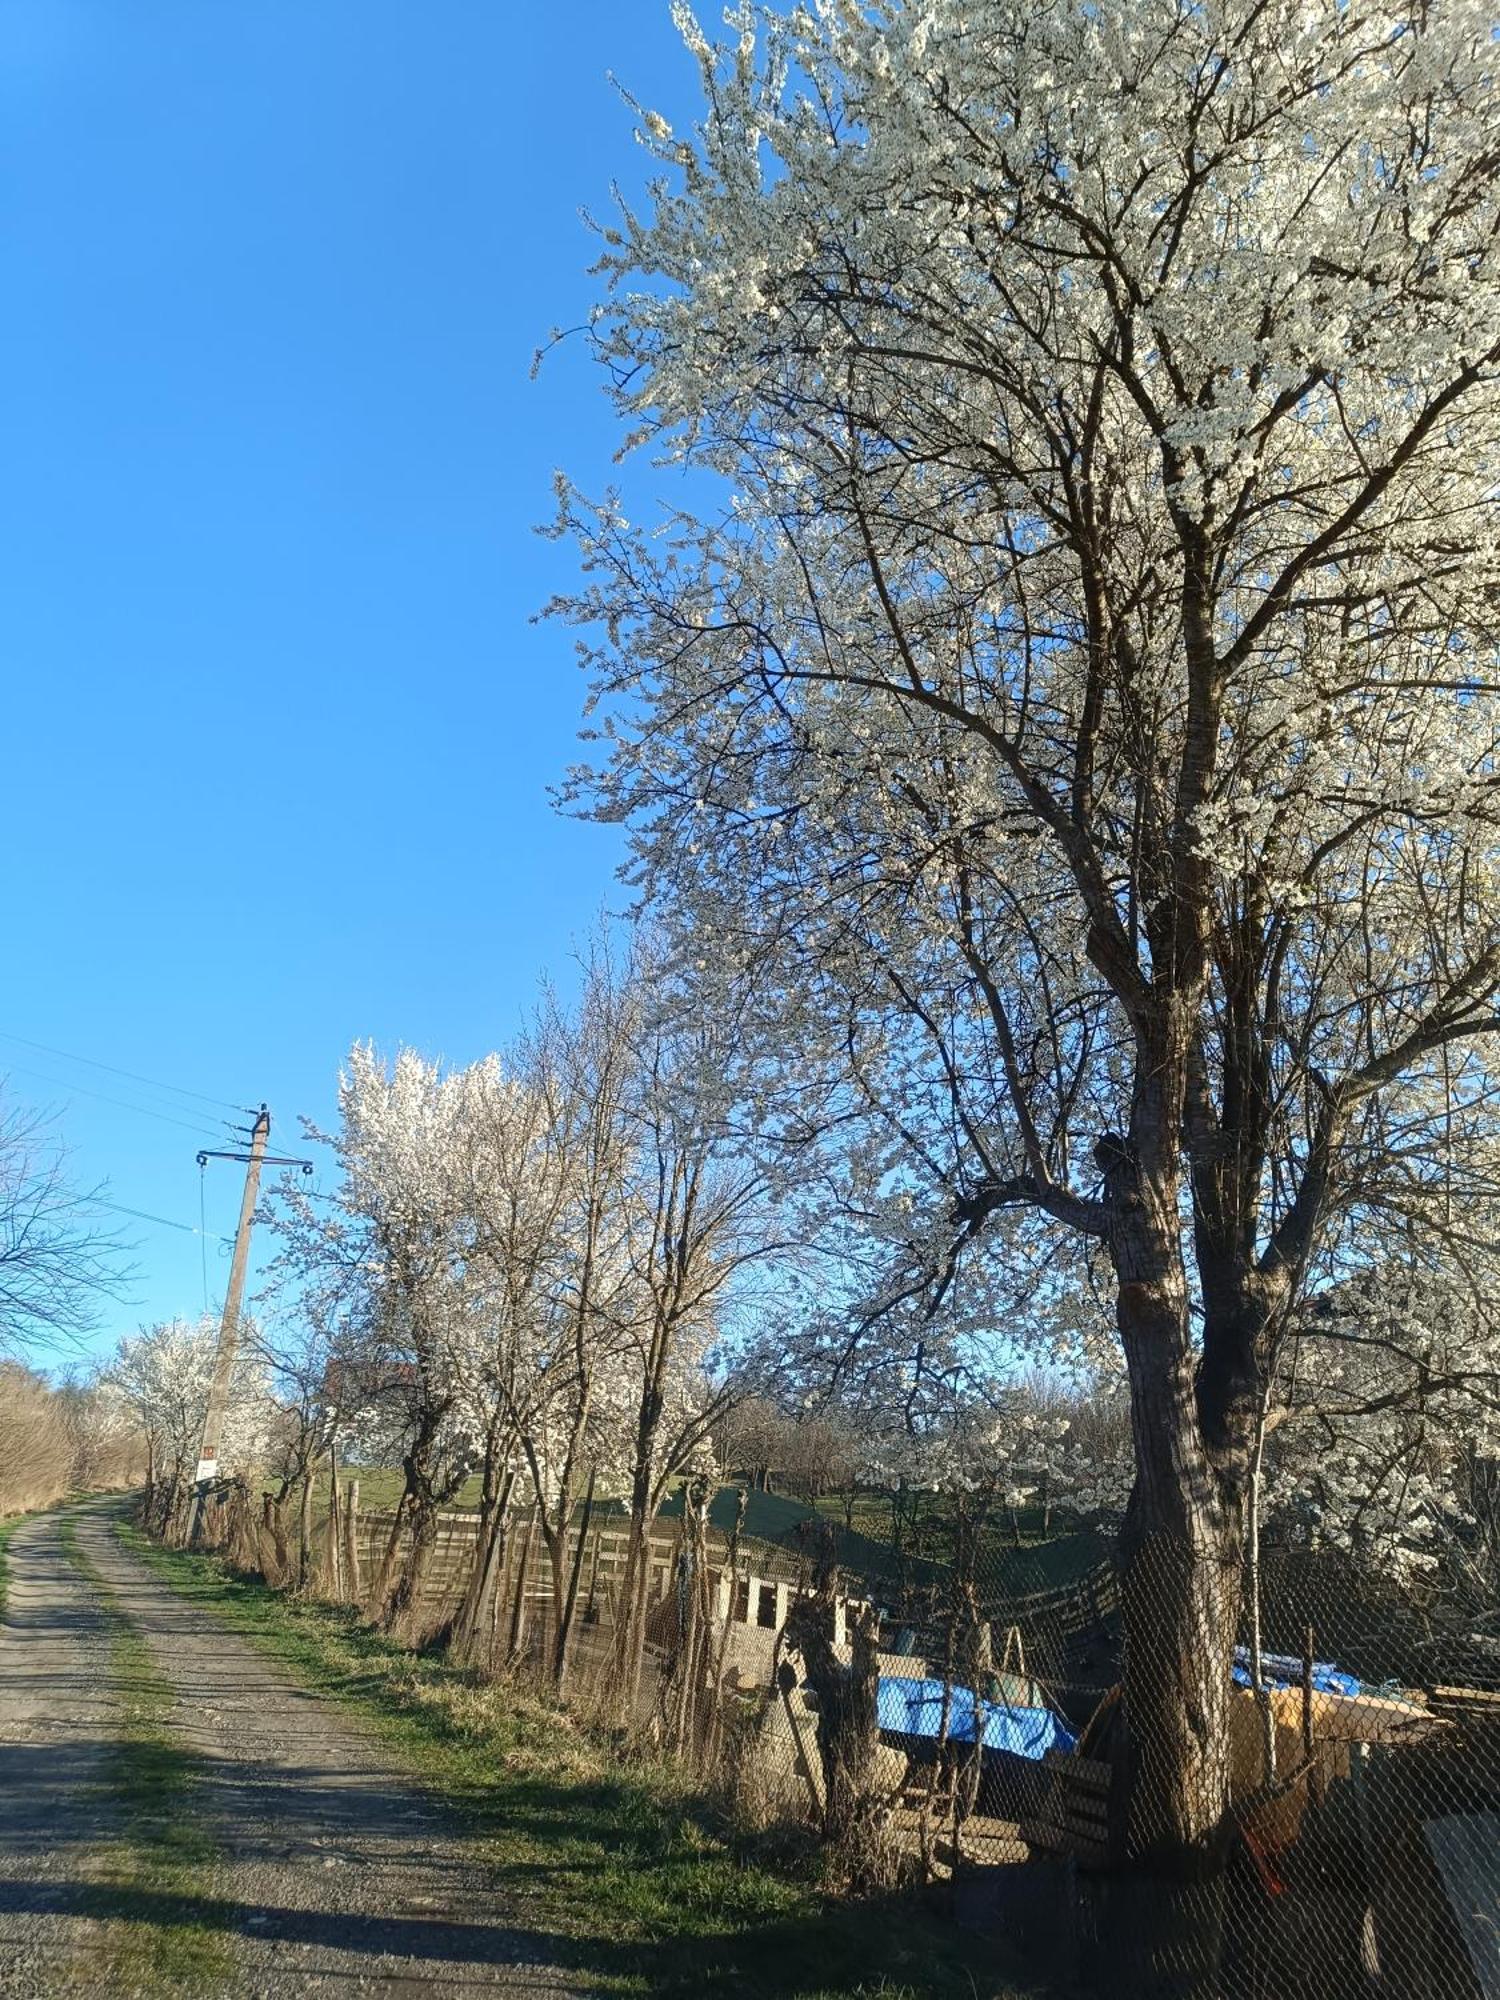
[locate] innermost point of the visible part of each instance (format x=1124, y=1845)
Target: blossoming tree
x=163, y=1374
x=1077, y=725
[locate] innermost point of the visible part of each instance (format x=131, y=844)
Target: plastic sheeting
x=915, y=1708
x=1281, y=1670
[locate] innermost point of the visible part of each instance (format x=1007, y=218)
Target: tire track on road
x=59, y=1724
x=338, y=1874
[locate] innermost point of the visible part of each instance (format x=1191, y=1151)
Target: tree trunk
x=463, y=1618
x=271, y=1521
x=848, y=1724
x=489, y=1554
x=169, y=1502
x=518, y=1609
x=304, y=1528
x=630, y=1628
x=334, y=1541
x=686, y=1683
x=403, y=1617
x=1181, y=1545
x=562, y=1638
x=1180, y=1596
x=385, y=1576
x=1179, y=1602
x=351, y=1539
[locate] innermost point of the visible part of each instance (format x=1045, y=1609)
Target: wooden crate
x=1073, y=1817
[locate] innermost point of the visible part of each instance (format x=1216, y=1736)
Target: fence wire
x=1149, y=1781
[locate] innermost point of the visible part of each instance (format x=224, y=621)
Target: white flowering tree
x=163, y=1374
x=1389, y=1401
x=1077, y=727
x=387, y=1266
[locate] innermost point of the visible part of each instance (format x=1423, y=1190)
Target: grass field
x=659, y=1891
x=380, y=1487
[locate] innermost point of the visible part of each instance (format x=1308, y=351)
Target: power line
x=154, y=1083
x=145, y=1215
x=204, y=1129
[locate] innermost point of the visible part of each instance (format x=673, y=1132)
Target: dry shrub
x=109, y=1453
x=56, y=1440
x=36, y=1441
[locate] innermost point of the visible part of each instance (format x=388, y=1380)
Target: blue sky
x=278, y=728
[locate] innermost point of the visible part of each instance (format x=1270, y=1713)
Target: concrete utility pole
x=229, y=1325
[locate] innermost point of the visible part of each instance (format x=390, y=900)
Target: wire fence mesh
x=1153, y=1779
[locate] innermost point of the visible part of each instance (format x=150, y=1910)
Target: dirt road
x=332, y=1873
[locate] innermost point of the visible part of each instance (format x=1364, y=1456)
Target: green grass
x=8, y=1527
x=381, y=1487
x=627, y=1874
x=153, y=1881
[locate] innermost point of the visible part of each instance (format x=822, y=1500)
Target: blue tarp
x=1280, y=1670
x=915, y=1708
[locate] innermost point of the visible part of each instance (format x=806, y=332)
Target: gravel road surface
x=58, y=1716
x=337, y=1874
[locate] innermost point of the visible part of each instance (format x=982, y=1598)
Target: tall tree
x=57, y=1265
x=1079, y=726
x=517, y=1198
x=571, y=1390
x=403, y=1231
x=699, y=1216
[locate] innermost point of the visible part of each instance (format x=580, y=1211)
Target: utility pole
x=229, y=1325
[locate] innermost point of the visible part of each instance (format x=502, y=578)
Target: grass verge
x=154, y=1879
x=620, y=1864
x=8, y=1527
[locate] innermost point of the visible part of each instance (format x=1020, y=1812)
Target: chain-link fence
x=1151, y=1779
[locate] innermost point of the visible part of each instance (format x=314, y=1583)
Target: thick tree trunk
x=1180, y=1550
x=403, y=1616
x=385, y=1576
x=170, y=1505
x=271, y=1521
x=848, y=1725
x=1179, y=1600
x=406, y=1616
x=1180, y=1595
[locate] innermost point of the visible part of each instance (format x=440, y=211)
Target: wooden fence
x=766, y=1578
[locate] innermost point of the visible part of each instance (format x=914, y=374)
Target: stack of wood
x=1470, y=1710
